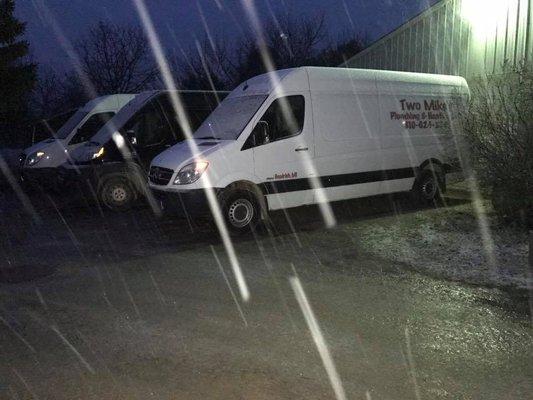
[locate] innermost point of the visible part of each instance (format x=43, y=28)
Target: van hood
x=181, y=154
x=44, y=145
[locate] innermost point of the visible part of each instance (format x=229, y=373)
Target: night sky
x=179, y=21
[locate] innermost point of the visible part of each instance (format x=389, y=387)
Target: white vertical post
x=530, y=274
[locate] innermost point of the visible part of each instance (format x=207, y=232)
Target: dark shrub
x=499, y=128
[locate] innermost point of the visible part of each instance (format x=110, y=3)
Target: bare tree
x=46, y=96
x=287, y=41
x=295, y=40
x=116, y=59
x=206, y=65
x=340, y=51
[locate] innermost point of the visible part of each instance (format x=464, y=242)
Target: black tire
x=240, y=210
x=429, y=186
x=117, y=194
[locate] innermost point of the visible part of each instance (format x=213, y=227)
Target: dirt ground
x=96, y=305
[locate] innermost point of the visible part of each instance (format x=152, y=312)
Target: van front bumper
x=190, y=203
x=79, y=179
x=42, y=177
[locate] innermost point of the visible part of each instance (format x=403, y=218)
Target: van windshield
x=230, y=118
x=73, y=121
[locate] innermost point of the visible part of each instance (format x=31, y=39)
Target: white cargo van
x=310, y=135
x=39, y=162
x=145, y=127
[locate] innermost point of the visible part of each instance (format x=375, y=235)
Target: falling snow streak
x=186, y=128
x=18, y=335
x=318, y=338
x=221, y=268
x=4, y=169
x=73, y=349
x=310, y=170
x=411, y=363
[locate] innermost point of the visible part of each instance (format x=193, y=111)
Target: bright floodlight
x=485, y=16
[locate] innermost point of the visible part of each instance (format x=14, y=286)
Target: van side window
x=91, y=127
x=149, y=126
x=174, y=133
x=157, y=128
x=284, y=118
x=197, y=109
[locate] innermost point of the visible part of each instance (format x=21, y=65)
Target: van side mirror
x=81, y=136
x=259, y=136
x=131, y=136
x=261, y=133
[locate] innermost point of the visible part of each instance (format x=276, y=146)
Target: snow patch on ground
x=447, y=243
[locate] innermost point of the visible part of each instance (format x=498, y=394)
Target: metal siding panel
x=528, y=56
x=397, y=52
x=403, y=49
x=441, y=41
x=506, y=35
x=392, y=54
x=511, y=28
x=428, y=46
x=445, y=39
x=393, y=65
x=418, y=47
x=408, y=57
x=465, y=47
x=455, y=37
x=522, y=31
x=434, y=43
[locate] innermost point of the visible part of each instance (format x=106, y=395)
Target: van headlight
x=191, y=173
x=98, y=154
x=91, y=152
x=34, y=158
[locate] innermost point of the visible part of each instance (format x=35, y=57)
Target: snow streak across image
x=266, y=199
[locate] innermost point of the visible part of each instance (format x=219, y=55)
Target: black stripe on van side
x=294, y=185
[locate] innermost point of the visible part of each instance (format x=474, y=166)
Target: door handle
x=302, y=149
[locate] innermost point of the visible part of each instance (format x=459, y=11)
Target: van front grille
x=160, y=176
x=22, y=159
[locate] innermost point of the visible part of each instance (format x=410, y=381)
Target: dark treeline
x=118, y=59
x=17, y=74
x=286, y=42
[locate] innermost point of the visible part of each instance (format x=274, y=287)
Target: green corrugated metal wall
x=446, y=39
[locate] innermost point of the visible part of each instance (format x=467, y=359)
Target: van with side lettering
x=310, y=135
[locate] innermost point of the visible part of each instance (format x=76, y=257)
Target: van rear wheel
x=117, y=194
x=429, y=187
x=241, y=211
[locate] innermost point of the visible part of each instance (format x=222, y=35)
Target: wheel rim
x=118, y=194
x=241, y=213
x=429, y=188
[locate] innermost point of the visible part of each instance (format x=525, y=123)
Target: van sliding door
x=348, y=158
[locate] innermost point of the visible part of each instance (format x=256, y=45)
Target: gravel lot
x=128, y=306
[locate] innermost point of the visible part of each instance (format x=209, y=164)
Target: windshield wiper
x=208, y=137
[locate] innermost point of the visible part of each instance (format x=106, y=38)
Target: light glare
x=485, y=16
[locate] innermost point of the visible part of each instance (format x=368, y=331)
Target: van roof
x=113, y=101
x=132, y=107
x=337, y=79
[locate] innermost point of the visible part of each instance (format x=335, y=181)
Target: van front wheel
x=241, y=211
x=117, y=194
